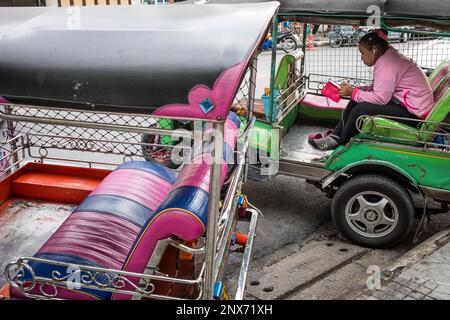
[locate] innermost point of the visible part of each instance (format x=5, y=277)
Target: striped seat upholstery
x=119, y=224
x=441, y=71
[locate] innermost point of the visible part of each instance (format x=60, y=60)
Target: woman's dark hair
x=373, y=39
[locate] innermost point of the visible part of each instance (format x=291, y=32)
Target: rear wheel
x=336, y=40
x=373, y=211
x=357, y=36
x=288, y=44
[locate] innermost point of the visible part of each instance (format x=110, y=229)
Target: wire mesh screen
x=428, y=52
x=55, y=141
x=244, y=97
x=336, y=56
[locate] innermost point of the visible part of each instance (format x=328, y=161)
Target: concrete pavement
x=421, y=274
x=327, y=267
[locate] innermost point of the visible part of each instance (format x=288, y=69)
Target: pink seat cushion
x=317, y=101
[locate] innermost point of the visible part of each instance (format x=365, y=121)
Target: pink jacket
x=396, y=76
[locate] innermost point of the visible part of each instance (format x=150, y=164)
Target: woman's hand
x=345, y=90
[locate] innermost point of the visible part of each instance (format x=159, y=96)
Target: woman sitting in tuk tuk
x=399, y=89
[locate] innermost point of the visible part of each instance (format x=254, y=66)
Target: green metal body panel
x=289, y=120
x=261, y=136
x=427, y=168
x=263, y=132
x=308, y=112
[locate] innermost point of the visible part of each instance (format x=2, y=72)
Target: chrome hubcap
x=371, y=214
x=288, y=44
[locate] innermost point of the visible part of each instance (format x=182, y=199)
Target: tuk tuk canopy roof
x=132, y=59
x=430, y=9
x=433, y=13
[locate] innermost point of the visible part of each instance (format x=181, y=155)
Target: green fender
x=364, y=163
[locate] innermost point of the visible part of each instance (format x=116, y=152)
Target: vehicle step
x=54, y=186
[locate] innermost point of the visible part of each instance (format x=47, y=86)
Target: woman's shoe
x=319, y=135
x=329, y=142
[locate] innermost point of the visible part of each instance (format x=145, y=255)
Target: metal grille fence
x=42, y=138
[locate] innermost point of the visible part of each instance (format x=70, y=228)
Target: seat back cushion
x=438, y=114
x=439, y=73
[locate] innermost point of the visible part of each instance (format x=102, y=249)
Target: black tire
x=336, y=40
x=357, y=36
x=292, y=44
x=366, y=194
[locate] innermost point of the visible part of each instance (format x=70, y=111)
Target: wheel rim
x=289, y=44
x=371, y=214
x=335, y=41
x=356, y=38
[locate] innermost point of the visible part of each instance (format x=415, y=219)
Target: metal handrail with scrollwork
x=21, y=276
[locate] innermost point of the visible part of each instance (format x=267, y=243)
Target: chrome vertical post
x=272, y=68
x=252, y=87
x=11, y=133
x=250, y=106
x=305, y=35
x=213, y=209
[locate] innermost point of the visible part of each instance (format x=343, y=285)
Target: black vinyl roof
x=124, y=58
x=431, y=9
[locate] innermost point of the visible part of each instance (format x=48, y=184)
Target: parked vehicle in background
x=343, y=34
x=417, y=35
x=398, y=36
x=287, y=40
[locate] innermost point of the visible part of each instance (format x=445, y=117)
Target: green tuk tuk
x=380, y=179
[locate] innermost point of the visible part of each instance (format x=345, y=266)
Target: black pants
x=346, y=128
